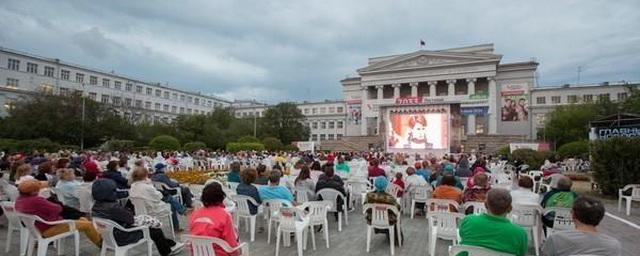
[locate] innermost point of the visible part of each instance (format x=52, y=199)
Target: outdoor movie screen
x=418, y=131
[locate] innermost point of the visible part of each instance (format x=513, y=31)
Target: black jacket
x=106, y=206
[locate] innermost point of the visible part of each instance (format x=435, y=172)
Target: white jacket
x=151, y=196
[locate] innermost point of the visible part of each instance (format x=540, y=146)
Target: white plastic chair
x=293, y=220
x=242, y=211
x=140, y=207
x=301, y=196
x=233, y=186
x=85, y=199
x=106, y=227
x=177, y=190
x=562, y=220
x=35, y=236
x=443, y=225
x=317, y=213
x=273, y=206
x=478, y=207
x=454, y=250
x=332, y=195
x=420, y=195
x=14, y=225
x=635, y=196
x=357, y=189
x=441, y=205
x=529, y=217
x=203, y=245
x=380, y=220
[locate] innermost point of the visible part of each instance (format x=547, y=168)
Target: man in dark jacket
x=160, y=176
x=106, y=206
x=330, y=180
x=122, y=183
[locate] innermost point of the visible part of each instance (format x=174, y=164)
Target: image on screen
x=418, y=131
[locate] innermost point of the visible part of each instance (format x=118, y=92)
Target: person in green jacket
x=492, y=230
x=341, y=166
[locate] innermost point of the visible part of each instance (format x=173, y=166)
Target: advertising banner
x=478, y=111
x=605, y=132
x=354, y=113
x=515, y=107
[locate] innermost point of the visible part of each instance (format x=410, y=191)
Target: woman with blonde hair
x=157, y=205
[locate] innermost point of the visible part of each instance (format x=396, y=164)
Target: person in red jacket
x=374, y=170
x=29, y=202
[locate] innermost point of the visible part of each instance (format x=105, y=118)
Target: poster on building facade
x=515, y=107
x=355, y=111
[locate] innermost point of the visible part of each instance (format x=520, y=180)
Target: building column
x=452, y=87
x=471, y=125
x=365, y=94
x=396, y=90
x=414, y=89
x=471, y=86
x=432, y=88
x=493, y=108
x=380, y=91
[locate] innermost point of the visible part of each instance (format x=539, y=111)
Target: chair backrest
x=274, y=205
x=357, y=186
x=29, y=222
x=380, y=214
x=393, y=189
x=478, y=207
x=301, y=196
x=635, y=192
x=316, y=211
x=203, y=245
x=446, y=223
x=85, y=199
x=526, y=215
x=288, y=218
x=11, y=191
x=442, y=205
x=562, y=220
x=9, y=210
x=474, y=251
x=422, y=192
x=232, y=185
x=242, y=204
x=105, y=228
x=534, y=174
x=139, y=206
x=331, y=195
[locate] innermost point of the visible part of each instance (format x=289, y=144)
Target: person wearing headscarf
x=380, y=196
x=106, y=206
x=449, y=169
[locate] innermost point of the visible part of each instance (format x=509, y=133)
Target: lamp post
x=255, y=123
x=82, y=119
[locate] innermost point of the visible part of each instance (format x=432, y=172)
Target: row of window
x=315, y=137
x=575, y=99
x=328, y=124
x=323, y=110
x=14, y=64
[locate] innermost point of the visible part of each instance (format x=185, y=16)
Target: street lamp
x=82, y=119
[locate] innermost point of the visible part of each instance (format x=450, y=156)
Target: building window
x=157, y=106
x=104, y=99
x=116, y=101
x=340, y=109
x=79, y=78
x=32, y=67
x=189, y=111
x=174, y=109
x=166, y=95
x=314, y=137
x=138, y=104
x=622, y=96
x=147, y=104
x=331, y=136
x=149, y=91
x=587, y=98
x=165, y=108
x=181, y=97
x=48, y=71
x=128, y=87
x=323, y=110
x=64, y=74
x=106, y=83
x=117, y=85
x=13, y=64
x=139, y=88
x=306, y=111
x=323, y=125
x=314, y=111
x=338, y=136
x=189, y=99
x=174, y=96
x=314, y=125
x=331, y=125
x=340, y=125
x=572, y=99
x=603, y=97
x=541, y=100
x=12, y=83
x=64, y=91
x=323, y=137
x=93, y=95
x=332, y=110
x=555, y=99
x=127, y=102
x=46, y=88
x=93, y=80
x=181, y=110
x=158, y=93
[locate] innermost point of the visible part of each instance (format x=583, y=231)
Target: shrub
x=118, y=145
x=239, y=146
x=290, y=148
x=164, y=142
x=248, y=139
x=194, y=146
x=531, y=157
x=42, y=144
x=574, y=149
x=504, y=151
x=8, y=145
x=271, y=143
x=615, y=163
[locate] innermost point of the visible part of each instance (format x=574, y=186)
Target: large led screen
x=418, y=131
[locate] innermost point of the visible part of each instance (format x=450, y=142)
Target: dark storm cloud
x=299, y=50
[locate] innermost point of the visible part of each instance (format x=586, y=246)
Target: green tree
x=164, y=142
x=284, y=121
x=271, y=143
x=571, y=122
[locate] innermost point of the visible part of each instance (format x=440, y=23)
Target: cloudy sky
x=299, y=50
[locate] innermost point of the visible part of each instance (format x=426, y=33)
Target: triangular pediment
x=421, y=59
